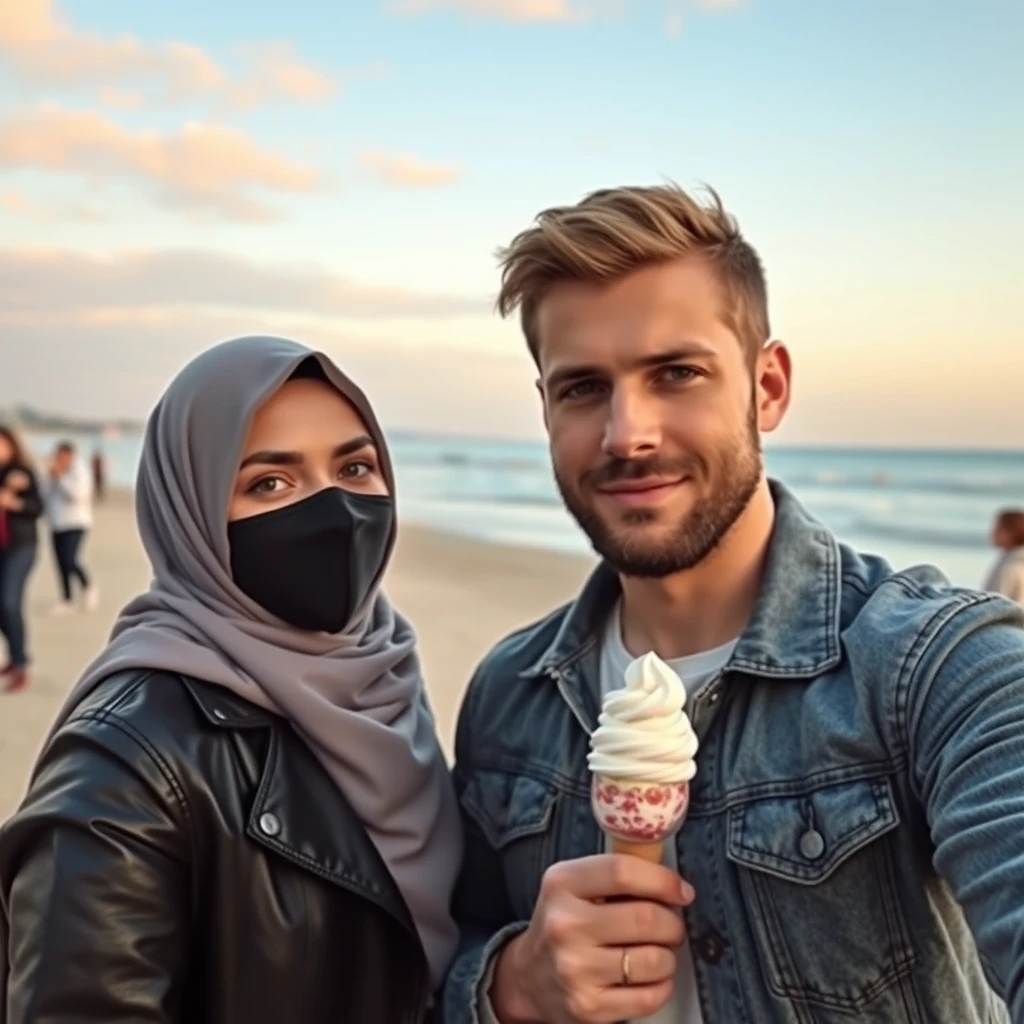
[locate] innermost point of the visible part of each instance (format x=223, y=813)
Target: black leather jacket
x=182, y=856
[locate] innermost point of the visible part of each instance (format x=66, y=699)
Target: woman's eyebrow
x=273, y=458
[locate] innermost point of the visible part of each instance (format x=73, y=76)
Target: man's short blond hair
x=613, y=232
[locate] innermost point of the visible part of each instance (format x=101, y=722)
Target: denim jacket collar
x=794, y=631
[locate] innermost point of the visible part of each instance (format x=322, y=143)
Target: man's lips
x=645, y=491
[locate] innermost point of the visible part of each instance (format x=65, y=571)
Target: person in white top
x=68, y=496
x=1007, y=575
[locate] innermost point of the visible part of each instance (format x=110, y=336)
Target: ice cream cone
x=642, y=760
x=653, y=852
x=639, y=815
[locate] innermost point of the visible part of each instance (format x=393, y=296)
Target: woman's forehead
x=307, y=409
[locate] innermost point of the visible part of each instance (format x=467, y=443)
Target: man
x=854, y=846
x=69, y=511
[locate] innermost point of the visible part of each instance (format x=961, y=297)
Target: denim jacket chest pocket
x=814, y=868
x=531, y=823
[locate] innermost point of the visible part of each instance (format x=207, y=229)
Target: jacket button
x=269, y=824
x=710, y=947
x=812, y=845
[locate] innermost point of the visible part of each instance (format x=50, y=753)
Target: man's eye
x=581, y=389
x=673, y=373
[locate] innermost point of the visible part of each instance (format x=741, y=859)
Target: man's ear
x=774, y=376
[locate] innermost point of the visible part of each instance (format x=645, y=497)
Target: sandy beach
x=461, y=595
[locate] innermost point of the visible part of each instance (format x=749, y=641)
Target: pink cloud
x=506, y=10
x=401, y=171
x=18, y=203
x=200, y=167
x=42, y=48
x=36, y=284
x=121, y=99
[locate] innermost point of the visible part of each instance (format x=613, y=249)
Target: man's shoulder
x=523, y=648
x=515, y=654
x=902, y=609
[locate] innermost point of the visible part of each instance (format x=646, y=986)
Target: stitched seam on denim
x=897, y=933
x=573, y=656
x=818, y=870
x=783, y=980
x=916, y=656
x=801, y=786
x=486, y=954
x=499, y=836
x=803, y=993
x=855, y=582
x=515, y=766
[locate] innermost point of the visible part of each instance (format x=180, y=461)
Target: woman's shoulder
x=150, y=731
x=161, y=710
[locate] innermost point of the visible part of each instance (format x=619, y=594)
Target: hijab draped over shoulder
x=356, y=697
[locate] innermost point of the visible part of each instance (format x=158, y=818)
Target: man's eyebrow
x=266, y=457
x=678, y=354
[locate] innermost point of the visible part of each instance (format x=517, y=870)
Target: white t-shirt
x=69, y=499
x=695, y=670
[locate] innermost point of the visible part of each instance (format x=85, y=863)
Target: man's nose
x=632, y=428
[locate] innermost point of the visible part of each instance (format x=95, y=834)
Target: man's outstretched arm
x=962, y=705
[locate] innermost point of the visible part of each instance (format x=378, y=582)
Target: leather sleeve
x=95, y=884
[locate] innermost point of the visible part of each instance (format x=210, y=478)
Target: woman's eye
x=355, y=470
x=267, y=485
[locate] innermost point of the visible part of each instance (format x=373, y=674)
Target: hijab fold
x=356, y=697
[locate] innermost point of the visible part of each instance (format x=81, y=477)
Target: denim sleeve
x=963, y=707
x=481, y=905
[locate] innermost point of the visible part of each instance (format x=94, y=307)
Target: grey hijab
x=356, y=697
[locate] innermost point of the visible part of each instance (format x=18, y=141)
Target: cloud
x=276, y=71
x=16, y=202
x=121, y=99
x=38, y=285
x=402, y=171
x=556, y=10
x=200, y=167
x=676, y=11
x=41, y=48
x=119, y=367
x=505, y=10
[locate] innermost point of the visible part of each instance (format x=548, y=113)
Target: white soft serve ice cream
x=643, y=734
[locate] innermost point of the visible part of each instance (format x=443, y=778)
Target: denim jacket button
x=710, y=947
x=812, y=845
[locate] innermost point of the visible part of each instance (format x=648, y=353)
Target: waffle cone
x=653, y=852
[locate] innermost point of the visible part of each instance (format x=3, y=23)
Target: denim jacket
x=856, y=829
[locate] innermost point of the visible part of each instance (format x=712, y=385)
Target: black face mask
x=313, y=563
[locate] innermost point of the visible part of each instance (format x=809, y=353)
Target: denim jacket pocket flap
x=804, y=838
x=508, y=806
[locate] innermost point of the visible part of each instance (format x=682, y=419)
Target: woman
x=69, y=513
x=1007, y=575
x=242, y=813
x=20, y=507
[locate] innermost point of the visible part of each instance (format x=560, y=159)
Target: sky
x=171, y=175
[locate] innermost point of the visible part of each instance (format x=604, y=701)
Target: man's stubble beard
x=735, y=475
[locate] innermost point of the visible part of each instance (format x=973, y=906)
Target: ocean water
x=907, y=506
